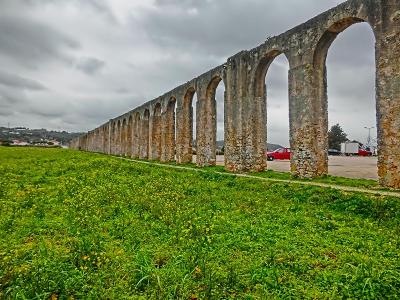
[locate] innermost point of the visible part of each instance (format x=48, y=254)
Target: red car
x=364, y=152
x=281, y=153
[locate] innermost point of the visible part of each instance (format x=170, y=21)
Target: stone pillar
x=97, y=141
x=155, y=135
x=108, y=134
x=144, y=137
x=114, y=140
x=388, y=94
x=129, y=138
x=136, y=136
x=124, y=138
x=206, y=127
x=245, y=117
x=163, y=154
x=168, y=134
x=184, y=129
x=105, y=138
x=307, y=124
x=118, y=139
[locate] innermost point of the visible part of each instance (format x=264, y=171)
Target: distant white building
x=20, y=143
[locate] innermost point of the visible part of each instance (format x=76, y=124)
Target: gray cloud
x=11, y=97
x=30, y=43
x=89, y=65
x=16, y=81
x=99, y=6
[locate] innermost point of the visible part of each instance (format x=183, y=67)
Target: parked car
x=280, y=154
x=334, y=152
x=364, y=152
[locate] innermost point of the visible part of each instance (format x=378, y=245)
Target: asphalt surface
x=351, y=167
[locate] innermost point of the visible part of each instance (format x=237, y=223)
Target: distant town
x=22, y=136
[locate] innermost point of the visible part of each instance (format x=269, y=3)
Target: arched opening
x=170, y=135
x=214, y=123
x=124, y=137
x=220, y=115
x=186, y=141
x=156, y=133
x=129, y=138
x=136, y=136
x=271, y=90
x=349, y=67
x=144, y=137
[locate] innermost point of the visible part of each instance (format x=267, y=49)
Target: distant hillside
x=35, y=135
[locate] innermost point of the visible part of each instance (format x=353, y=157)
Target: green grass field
x=79, y=225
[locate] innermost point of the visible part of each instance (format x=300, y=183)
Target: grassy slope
x=84, y=225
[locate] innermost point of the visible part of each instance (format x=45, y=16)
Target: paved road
x=351, y=167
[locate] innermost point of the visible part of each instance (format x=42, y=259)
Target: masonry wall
x=161, y=129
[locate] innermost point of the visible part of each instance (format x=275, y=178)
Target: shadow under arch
x=321, y=81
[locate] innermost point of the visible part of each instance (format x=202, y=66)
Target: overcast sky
x=72, y=65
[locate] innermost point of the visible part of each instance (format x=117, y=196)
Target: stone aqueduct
x=161, y=129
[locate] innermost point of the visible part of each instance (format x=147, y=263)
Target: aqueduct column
x=184, y=128
x=144, y=136
x=113, y=135
x=108, y=137
x=245, y=117
x=123, y=138
x=206, y=125
x=129, y=137
x=155, y=133
x=306, y=119
x=136, y=136
x=388, y=93
x=117, y=138
x=168, y=132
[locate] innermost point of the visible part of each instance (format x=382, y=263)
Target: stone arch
x=136, y=135
x=144, y=135
x=185, y=127
x=262, y=70
x=156, y=130
x=260, y=89
x=320, y=55
x=206, y=125
x=169, y=144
